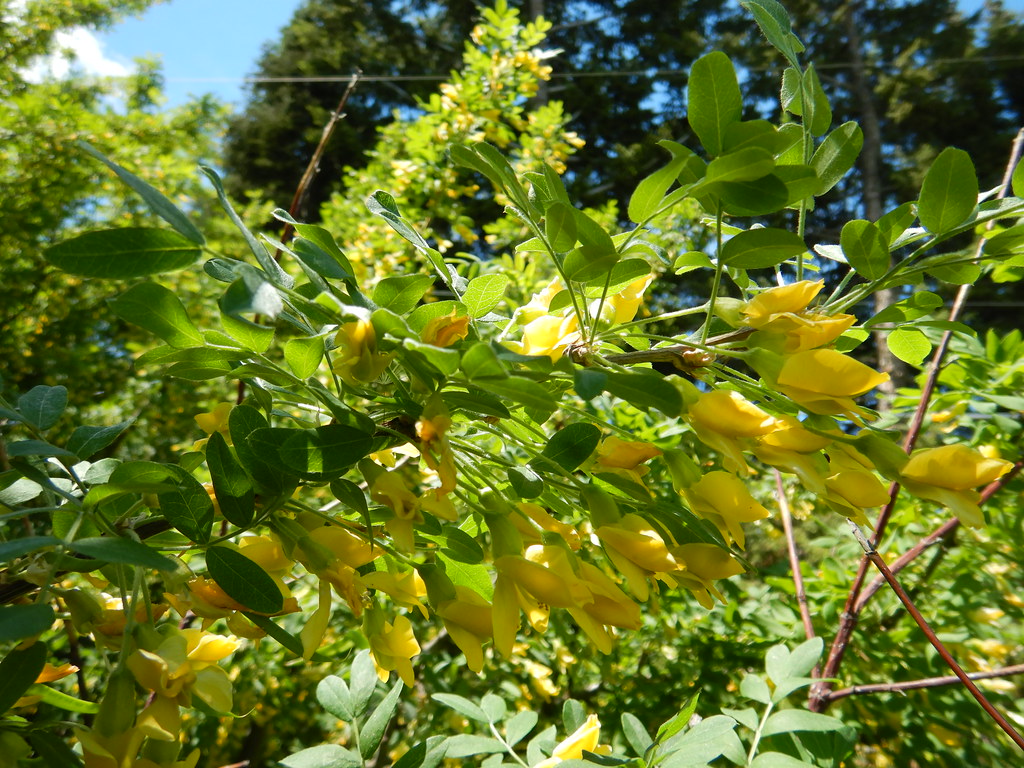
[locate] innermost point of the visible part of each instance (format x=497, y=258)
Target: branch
x=871, y=554
x=853, y=605
x=794, y=560
x=928, y=682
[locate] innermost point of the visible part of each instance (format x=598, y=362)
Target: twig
x=890, y=578
x=849, y=616
x=934, y=538
x=927, y=682
x=794, y=560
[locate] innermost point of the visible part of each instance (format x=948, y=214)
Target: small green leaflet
x=122, y=254
x=865, y=248
x=571, y=446
x=42, y=406
x=949, y=193
x=401, y=294
x=484, y=293
x=303, y=355
x=714, y=99
x=243, y=580
x=115, y=549
x=758, y=248
x=85, y=442
x=159, y=311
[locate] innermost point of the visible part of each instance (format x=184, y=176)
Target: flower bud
x=117, y=707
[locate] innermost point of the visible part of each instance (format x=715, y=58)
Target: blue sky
x=209, y=46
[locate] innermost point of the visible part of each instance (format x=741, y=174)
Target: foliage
x=420, y=460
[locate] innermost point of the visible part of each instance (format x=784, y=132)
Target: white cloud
x=79, y=50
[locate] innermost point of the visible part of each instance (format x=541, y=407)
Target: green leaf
x=636, y=734
x=323, y=756
x=251, y=335
x=122, y=254
x=1017, y=180
x=949, y=193
x=647, y=198
x=758, y=248
x=748, y=164
x=462, y=705
x=597, y=254
x=263, y=258
x=401, y=294
x=155, y=199
x=481, y=362
x=836, y=155
x=20, y=621
x=804, y=657
x=334, y=696
x=20, y=668
x=468, y=745
x=460, y=546
x=817, y=112
x=320, y=261
x=475, y=577
x=321, y=453
x=519, y=726
x=775, y=24
x=325, y=243
x=372, y=732
x=909, y=345
x=589, y=383
x=790, y=720
x=243, y=580
x=572, y=445
x=1009, y=242
x=189, y=509
x=42, y=406
x=776, y=663
x=778, y=760
x=755, y=688
x=573, y=715
x=523, y=391
x=560, y=226
x=303, y=355
x=36, y=448
x=362, y=682
x=10, y=550
x=526, y=483
x=274, y=630
x=243, y=422
x=754, y=133
x=85, y=442
x=790, y=95
x=714, y=101
x=914, y=306
x=758, y=197
x=865, y=248
x=351, y=495
x=707, y=739
x=895, y=222
x=646, y=389
x=484, y=293
x=159, y=311
x=115, y=549
x=234, y=492
x=251, y=293
x=678, y=721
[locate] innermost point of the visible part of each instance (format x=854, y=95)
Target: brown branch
x=890, y=578
x=928, y=682
x=794, y=559
x=851, y=611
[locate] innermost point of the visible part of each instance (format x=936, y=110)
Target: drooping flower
x=392, y=645
x=622, y=307
x=704, y=564
x=723, y=498
x=773, y=303
x=826, y=381
x=948, y=476
x=584, y=738
x=445, y=330
x=468, y=620
x=722, y=418
x=550, y=335
x=625, y=457
x=638, y=552
x=357, y=360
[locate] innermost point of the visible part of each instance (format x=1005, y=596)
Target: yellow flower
x=405, y=589
x=616, y=453
x=852, y=491
x=768, y=305
x=550, y=335
x=637, y=551
x=704, y=564
x=584, y=738
x=826, y=381
x=390, y=489
x=535, y=519
x=948, y=474
x=540, y=302
x=358, y=360
x=723, y=499
x=392, y=646
x=468, y=620
x=214, y=421
x=431, y=429
x=622, y=307
x=445, y=330
x=723, y=417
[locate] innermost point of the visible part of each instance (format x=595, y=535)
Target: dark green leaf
x=836, y=155
x=754, y=133
x=476, y=402
x=251, y=293
x=9, y=550
x=42, y=406
x=589, y=383
x=303, y=355
x=85, y=442
x=373, y=729
x=714, y=101
x=122, y=254
x=560, y=226
x=20, y=668
x=324, y=241
x=401, y=294
x=647, y=198
x=747, y=164
x=20, y=621
x=949, y=193
x=235, y=495
x=115, y=549
x=759, y=197
x=461, y=547
x=758, y=248
x=351, y=495
x=37, y=448
x=320, y=261
x=155, y=199
x=526, y=483
x=274, y=630
x=865, y=248
x=572, y=445
x=636, y=734
x=243, y=580
x=646, y=389
x=264, y=469
x=444, y=360
x=320, y=453
x=484, y=293
x=159, y=311
x=189, y=509
x=481, y=362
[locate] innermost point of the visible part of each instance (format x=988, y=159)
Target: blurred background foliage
x=924, y=74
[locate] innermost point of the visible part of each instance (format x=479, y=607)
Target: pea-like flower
x=948, y=476
x=723, y=498
x=584, y=738
x=637, y=551
x=469, y=623
x=765, y=308
x=704, y=565
x=357, y=360
x=392, y=645
x=826, y=381
x=722, y=418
